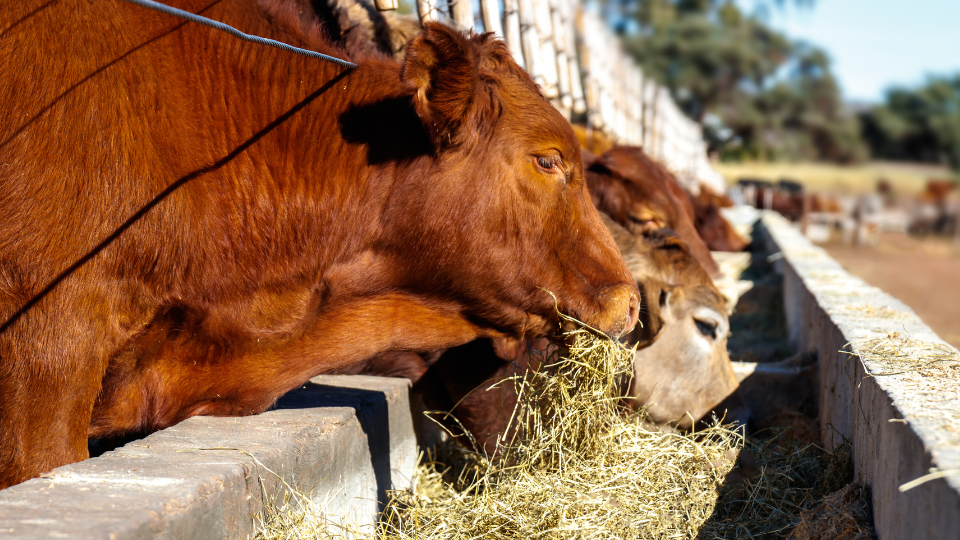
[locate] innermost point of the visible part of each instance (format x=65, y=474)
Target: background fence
x=578, y=62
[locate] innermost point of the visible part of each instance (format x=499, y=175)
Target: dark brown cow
x=641, y=195
x=768, y=196
x=656, y=200
x=713, y=228
x=191, y=224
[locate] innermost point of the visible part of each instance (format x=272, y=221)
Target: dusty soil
x=922, y=273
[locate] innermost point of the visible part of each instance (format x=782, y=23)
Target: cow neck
x=295, y=110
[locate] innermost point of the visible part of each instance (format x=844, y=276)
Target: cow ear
x=441, y=68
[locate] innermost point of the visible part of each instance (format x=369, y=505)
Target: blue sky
x=877, y=43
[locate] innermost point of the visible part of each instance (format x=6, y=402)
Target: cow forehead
x=528, y=115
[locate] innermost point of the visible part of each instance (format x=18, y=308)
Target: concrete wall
x=902, y=421
x=344, y=440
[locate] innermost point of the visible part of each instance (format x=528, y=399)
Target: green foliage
x=920, y=124
x=757, y=93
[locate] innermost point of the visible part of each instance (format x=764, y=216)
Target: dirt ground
x=924, y=274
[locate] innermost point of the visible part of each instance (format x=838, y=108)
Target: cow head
x=686, y=372
x=641, y=195
x=499, y=214
x=713, y=228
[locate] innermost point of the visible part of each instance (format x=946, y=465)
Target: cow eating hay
x=575, y=465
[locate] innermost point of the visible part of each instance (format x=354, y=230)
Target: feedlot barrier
x=887, y=383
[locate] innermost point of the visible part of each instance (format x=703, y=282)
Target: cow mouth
x=616, y=328
x=620, y=311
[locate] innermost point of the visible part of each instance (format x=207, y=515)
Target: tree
x=921, y=124
x=757, y=93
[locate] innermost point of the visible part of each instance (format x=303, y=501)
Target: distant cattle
x=787, y=197
x=191, y=224
x=935, y=212
x=681, y=369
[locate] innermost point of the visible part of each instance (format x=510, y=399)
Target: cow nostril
x=633, y=313
x=707, y=328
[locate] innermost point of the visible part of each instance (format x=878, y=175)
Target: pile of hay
x=782, y=488
x=843, y=515
x=575, y=466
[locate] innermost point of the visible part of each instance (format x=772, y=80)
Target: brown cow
x=191, y=224
x=641, y=195
x=713, y=228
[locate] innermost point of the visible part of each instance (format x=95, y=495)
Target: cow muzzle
x=620, y=307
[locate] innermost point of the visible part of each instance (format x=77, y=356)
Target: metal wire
x=193, y=17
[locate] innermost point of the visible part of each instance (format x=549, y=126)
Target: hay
x=844, y=515
x=575, y=466
x=292, y=516
x=896, y=353
x=778, y=480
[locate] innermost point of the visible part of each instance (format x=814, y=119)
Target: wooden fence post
x=634, y=85
x=563, y=66
x=511, y=30
x=589, y=64
x=387, y=5
x=462, y=12
x=616, y=82
x=548, y=54
x=427, y=10
x=649, y=110
x=529, y=41
x=572, y=13
x=490, y=14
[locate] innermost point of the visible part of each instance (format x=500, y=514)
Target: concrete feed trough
x=900, y=410
x=345, y=440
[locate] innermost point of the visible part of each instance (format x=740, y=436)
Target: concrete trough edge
x=901, y=426
x=342, y=440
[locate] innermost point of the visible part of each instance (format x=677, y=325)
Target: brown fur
x=641, y=195
x=713, y=228
x=191, y=224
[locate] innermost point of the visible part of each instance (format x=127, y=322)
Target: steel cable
x=193, y=17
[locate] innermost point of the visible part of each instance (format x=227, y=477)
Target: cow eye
x=707, y=328
x=643, y=221
x=549, y=164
